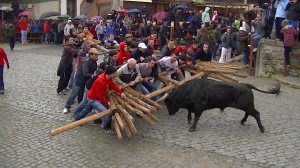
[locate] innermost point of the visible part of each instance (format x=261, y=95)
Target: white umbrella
x=6, y=8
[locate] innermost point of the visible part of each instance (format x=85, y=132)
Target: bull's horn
x=162, y=98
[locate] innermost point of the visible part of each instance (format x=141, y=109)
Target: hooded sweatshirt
x=122, y=55
x=289, y=34
x=205, y=15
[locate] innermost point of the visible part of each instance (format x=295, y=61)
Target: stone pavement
x=30, y=108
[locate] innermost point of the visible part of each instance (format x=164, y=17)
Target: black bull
x=203, y=94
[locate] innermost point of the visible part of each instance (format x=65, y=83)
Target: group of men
x=126, y=65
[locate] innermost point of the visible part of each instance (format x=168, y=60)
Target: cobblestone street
x=30, y=108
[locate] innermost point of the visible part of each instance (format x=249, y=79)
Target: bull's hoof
x=242, y=122
x=192, y=129
x=262, y=130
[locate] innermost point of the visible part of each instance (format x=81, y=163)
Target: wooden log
x=139, y=101
x=126, y=128
x=212, y=70
x=137, y=111
x=190, y=70
x=172, y=86
x=128, y=120
x=136, y=105
x=139, y=95
x=229, y=77
x=235, y=59
x=239, y=75
x=80, y=122
x=119, y=135
x=125, y=113
x=119, y=120
x=217, y=76
x=152, y=116
x=165, y=79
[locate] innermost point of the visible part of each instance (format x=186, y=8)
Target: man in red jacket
x=97, y=96
x=46, y=31
x=23, y=22
x=3, y=58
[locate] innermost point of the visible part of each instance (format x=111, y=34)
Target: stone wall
x=270, y=59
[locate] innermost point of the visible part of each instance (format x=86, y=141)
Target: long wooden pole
x=172, y=86
x=80, y=122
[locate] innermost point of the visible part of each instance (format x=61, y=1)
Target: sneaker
x=61, y=93
x=255, y=49
x=110, y=131
x=1, y=91
x=66, y=110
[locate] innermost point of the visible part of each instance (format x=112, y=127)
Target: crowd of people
x=138, y=63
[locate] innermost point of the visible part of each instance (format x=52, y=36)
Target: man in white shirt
x=169, y=66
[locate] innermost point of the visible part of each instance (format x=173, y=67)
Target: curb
x=286, y=82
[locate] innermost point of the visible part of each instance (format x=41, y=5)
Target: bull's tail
x=275, y=90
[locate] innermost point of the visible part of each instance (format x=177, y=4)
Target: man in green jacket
x=10, y=35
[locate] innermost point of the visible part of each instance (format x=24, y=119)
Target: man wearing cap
x=139, y=54
x=97, y=96
x=68, y=27
x=242, y=44
x=85, y=72
x=130, y=45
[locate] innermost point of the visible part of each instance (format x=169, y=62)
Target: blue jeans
x=1, y=78
x=54, y=37
x=11, y=42
x=72, y=75
x=76, y=89
x=293, y=23
x=246, y=57
x=24, y=36
x=278, y=27
x=147, y=87
x=216, y=48
x=83, y=107
x=99, y=107
x=46, y=37
x=256, y=37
